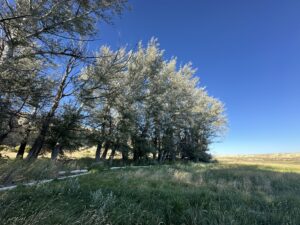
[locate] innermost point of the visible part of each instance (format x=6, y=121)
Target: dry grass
x=81, y=153
x=281, y=162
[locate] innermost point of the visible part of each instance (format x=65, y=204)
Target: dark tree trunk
x=158, y=147
x=173, y=152
x=162, y=156
x=21, y=150
x=23, y=144
x=39, y=141
x=165, y=156
x=136, y=154
x=124, y=155
x=154, y=155
x=112, y=155
x=100, y=143
x=104, y=154
x=98, y=151
x=173, y=156
x=159, y=156
x=55, y=151
x=155, y=143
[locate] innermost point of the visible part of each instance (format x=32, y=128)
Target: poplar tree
x=139, y=103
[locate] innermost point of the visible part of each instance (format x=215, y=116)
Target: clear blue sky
x=247, y=54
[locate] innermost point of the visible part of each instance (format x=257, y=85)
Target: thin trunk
x=156, y=146
x=134, y=144
x=39, y=141
x=154, y=155
x=99, y=145
x=137, y=152
x=98, y=151
x=160, y=156
x=160, y=153
x=107, y=143
x=112, y=155
x=173, y=156
x=173, y=151
x=135, y=155
x=23, y=144
x=21, y=150
x=55, y=151
x=124, y=155
x=164, y=157
x=106, y=147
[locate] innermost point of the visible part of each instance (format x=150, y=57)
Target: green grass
x=20, y=171
x=171, y=194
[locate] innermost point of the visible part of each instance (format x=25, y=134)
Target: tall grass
x=168, y=194
x=22, y=171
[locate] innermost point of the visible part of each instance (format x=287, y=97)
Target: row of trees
x=55, y=94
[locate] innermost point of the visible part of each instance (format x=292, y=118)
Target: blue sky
x=247, y=54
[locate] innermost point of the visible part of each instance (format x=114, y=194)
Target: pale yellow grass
x=282, y=162
x=82, y=153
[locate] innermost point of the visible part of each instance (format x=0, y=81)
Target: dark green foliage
x=66, y=129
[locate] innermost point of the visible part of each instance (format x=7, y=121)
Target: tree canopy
x=135, y=102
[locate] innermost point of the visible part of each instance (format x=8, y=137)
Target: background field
x=285, y=162
x=256, y=189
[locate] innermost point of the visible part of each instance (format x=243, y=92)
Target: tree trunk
x=98, y=151
x=154, y=155
x=21, y=150
x=112, y=155
x=39, y=141
x=124, y=155
x=155, y=143
x=23, y=144
x=55, y=151
x=173, y=156
x=107, y=144
x=136, y=154
x=173, y=151
x=160, y=155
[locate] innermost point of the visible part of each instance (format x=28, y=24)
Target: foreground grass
x=174, y=194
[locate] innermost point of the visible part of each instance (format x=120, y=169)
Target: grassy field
x=262, y=189
x=286, y=162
